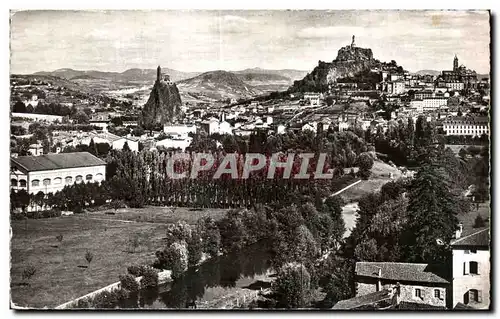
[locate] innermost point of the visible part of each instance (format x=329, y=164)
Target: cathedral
x=459, y=74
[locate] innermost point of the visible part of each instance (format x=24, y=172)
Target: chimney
x=458, y=232
x=379, y=281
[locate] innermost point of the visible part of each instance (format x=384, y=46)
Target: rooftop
x=56, y=161
x=401, y=271
x=480, y=238
x=365, y=300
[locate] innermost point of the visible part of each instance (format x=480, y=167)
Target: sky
x=199, y=41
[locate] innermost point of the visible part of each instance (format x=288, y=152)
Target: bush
x=149, y=277
x=83, y=303
x=479, y=222
x=177, y=232
x=129, y=283
x=78, y=210
x=29, y=272
x=174, y=257
x=292, y=286
x=135, y=270
x=195, y=249
x=104, y=299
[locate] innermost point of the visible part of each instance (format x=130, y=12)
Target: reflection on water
x=210, y=280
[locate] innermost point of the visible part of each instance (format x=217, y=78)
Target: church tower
x=455, y=63
x=158, y=74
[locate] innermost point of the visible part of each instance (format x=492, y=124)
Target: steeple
x=158, y=73
x=455, y=63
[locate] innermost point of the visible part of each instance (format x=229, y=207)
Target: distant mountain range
x=141, y=75
x=218, y=85
x=436, y=73
x=130, y=75
x=431, y=72
x=213, y=85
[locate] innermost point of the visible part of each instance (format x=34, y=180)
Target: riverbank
x=62, y=272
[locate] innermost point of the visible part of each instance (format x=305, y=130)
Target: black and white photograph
x=334, y=160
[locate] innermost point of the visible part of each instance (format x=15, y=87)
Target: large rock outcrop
x=163, y=105
x=351, y=62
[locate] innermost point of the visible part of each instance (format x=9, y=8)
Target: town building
x=466, y=126
x=396, y=87
x=312, y=98
x=51, y=172
x=132, y=143
x=35, y=149
x=100, y=120
x=181, y=130
x=459, y=74
x=174, y=143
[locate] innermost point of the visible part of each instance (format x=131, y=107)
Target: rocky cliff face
x=349, y=61
x=163, y=105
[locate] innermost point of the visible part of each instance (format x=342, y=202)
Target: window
x=473, y=267
x=13, y=182
x=473, y=295
x=57, y=181
x=437, y=293
x=35, y=183
x=88, y=177
x=98, y=177
x=418, y=292
x=473, y=251
x=46, y=182
x=22, y=183
x=79, y=179
x=69, y=180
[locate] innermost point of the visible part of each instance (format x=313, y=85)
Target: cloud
x=393, y=30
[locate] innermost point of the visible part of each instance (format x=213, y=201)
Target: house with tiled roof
x=417, y=283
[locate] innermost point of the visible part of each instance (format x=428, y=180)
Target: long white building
x=50, y=173
x=466, y=126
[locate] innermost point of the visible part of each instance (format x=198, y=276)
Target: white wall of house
x=52, y=181
x=133, y=145
x=464, y=281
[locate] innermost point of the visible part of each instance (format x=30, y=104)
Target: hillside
x=430, y=72
x=292, y=75
x=218, y=85
x=350, y=64
x=130, y=75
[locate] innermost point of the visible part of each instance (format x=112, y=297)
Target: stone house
x=417, y=283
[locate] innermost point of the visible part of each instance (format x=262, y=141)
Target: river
x=217, y=277
x=221, y=276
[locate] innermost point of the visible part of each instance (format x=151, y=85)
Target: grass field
x=379, y=176
x=156, y=214
x=60, y=276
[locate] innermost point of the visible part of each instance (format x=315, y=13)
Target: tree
x=81, y=118
x=89, y=256
x=340, y=283
x=479, y=222
x=365, y=163
x=126, y=148
x=292, y=286
x=28, y=272
x=19, y=107
x=432, y=219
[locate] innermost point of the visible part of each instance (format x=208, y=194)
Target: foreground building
x=50, y=173
x=471, y=269
x=417, y=283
